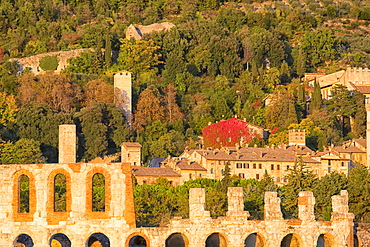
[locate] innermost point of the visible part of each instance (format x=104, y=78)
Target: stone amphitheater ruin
x=40, y=224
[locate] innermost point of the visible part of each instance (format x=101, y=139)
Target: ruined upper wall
x=138, y=31
x=33, y=62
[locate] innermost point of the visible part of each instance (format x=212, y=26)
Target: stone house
x=149, y=175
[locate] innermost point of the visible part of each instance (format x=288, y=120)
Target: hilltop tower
x=367, y=105
x=67, y=143
x=123, y=93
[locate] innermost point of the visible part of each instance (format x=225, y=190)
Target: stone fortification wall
x=81, y=226
x=33, y=62
x=138, y=31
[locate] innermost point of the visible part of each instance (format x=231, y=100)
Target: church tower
x=123, y=93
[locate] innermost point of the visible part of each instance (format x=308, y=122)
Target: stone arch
x=291, y=240
x=98, y=239
x=177, y=239
x=59, y=240
x=89, y=194
x=216, y=240
x=23, y=240
x=325, y=240
x=254, y=240
x=24, y=215
x=356, y=241
x=53, y=214
x=137, y=239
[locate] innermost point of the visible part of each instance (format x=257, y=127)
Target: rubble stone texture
x=80, y=226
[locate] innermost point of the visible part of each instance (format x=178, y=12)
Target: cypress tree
x=316, y=101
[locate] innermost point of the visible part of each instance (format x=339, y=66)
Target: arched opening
x=137, y=241
x=98, y=193
x=24, y=194
x=176, y=240
x=60, y=193
x=325, y=240
x=254, y=240
x=98, y=240
x=356, y=241
x=59, y=240
x=23, y=240
x=291, y=240
x=216, y=240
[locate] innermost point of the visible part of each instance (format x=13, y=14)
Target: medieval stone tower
x=123, y=93
x=67, y=143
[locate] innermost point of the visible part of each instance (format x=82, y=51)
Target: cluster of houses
x=247, y=162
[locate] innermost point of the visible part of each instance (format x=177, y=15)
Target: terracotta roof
x=250, y=154
x=348, y=150
x=131, y=144
x=361, y=141
x=154, y=171
x=309, y=160
x=186, y=165
x=363, y=89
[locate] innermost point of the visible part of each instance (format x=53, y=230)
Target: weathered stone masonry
x=115, y=227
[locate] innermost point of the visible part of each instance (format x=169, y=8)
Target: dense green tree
x=359, y=125
x=319, y=46
x=24, y=151
x=40, y=123
x=359, y=192
x=316, y=101
x=323, y=189
x=299, y=179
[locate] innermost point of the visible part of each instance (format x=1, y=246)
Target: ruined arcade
x=97, y=209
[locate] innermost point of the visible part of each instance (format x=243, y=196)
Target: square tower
x=297, y=137
x=67, y=143
x=123, y=93
x=131, y=153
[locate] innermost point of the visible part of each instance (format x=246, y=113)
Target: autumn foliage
x=227, y=133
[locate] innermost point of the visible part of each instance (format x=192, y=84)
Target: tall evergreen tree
x=316, y=100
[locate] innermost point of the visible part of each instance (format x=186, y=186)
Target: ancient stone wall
x=33, y=62
x=79, y=225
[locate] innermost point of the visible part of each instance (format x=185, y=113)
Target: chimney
x=67, y=143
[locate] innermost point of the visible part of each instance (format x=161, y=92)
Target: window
x=190, y=175
x=24, y=194
x=254, y=165
x=259, y=166
x=241, y=175
x=329, y=169
x=211, y=171
x=277, y=167
x=278, y=179
x=257, y=176
x=285, y=180
x=60, y=193
x=200, y=175
x=272, y=167
x=244, y=165
x=342, y=163
x=222, y=171
x=287, y=167
x=98, y=193
x=239, y=165
x=329, y=162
